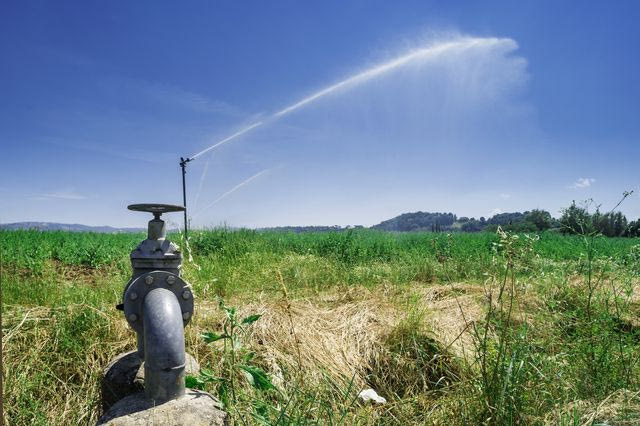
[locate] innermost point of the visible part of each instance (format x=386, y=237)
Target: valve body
x=158, y=304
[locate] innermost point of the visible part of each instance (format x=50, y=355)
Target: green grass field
x=450, y=329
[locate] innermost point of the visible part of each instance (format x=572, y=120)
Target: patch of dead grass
x=330, y=336
x=452, y=309
x=620, y=408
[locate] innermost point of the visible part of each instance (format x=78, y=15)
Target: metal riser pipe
x=164, y=353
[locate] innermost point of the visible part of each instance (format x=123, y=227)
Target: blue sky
x=519, y=105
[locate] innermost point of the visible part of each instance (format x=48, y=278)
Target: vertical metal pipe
x=183, y=164
x=164, y=357
x=140, y=340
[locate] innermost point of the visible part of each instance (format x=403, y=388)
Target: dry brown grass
x=327, y=336
x=358, y=337
x=64, y=387
x=620, y=408
x=452, y=309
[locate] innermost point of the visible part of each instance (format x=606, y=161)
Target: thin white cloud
x=130, y=153
x=62, y=195
x=505, y=196
x=177, y=97
x=495, y=212
x=582, y=183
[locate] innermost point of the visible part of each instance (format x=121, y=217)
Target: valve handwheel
x=156, y=209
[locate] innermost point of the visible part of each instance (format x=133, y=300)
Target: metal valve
x=158, y=304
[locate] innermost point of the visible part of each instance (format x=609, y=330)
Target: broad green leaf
x=257, y=377
x=251, y=319
x=210, y=337
x=194, y=383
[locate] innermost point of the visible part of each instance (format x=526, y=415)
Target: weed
x=237, y=359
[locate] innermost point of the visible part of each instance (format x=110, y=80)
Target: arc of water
x=232, y=190
x=227, y=139
x=202, y=176
x=424, y=53
x=428, y=52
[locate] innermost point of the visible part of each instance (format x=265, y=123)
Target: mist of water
x=202, y=177
x=426, y=53
x=227, y=139
x=231, y=191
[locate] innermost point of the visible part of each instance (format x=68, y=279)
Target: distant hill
x=51, y=226
x=534, y=220
x=418, y=221
x=298, y=229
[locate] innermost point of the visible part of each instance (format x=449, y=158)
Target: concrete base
x=124, y=376
x=196, y=408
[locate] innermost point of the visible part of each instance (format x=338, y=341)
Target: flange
x=137, y=289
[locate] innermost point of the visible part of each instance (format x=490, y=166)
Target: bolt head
x=133, y=317
x=186, y=315
x=133, y=295
x=171, y=279
x=186, y=294
x=148, y=280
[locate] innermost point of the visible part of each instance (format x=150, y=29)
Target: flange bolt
x=171, y=279
x=133, y=296
x=133, y=317
x=186, y=315
x=186, y=294
x=148, y=280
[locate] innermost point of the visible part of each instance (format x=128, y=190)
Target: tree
x=619, y=224
x=471, y=226
x=610, y=224
x=576, y=220
x=633, y=229
x=540, y=218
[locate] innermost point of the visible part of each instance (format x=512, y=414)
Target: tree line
x=575, y=219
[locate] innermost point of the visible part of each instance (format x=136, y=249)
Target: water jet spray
x=424, y=53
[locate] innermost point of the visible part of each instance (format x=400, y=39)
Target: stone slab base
x=124, y=376
x=196, y=408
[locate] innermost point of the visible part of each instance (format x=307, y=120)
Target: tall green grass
x=559, y=338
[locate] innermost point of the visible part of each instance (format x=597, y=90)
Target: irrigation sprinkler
x=183, y=165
